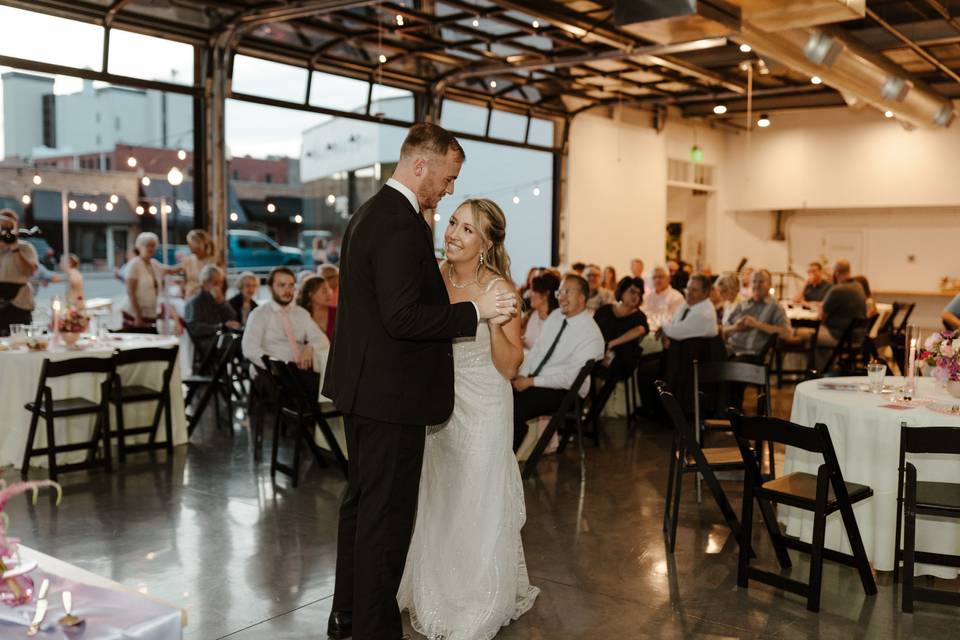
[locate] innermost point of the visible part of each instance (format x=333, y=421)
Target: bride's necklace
x=453, y=282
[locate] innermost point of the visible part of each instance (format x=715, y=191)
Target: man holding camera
x=18, y=261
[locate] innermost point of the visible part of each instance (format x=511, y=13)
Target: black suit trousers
x=532, y=403
x=376, y=523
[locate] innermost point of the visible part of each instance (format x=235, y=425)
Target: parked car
x=257, y=252
x=44, y=252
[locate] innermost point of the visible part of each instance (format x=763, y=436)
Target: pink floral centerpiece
x=941, y=353
x=72, y=323
x=17, y=589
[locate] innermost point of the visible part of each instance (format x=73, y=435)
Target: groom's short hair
x=430, y=138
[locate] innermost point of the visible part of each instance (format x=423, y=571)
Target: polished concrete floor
x=250, y=559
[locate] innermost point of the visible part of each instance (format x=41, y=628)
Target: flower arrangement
x=74, y=320
x=941, y=352
x=18, y=589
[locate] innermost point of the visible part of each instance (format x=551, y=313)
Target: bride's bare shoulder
x=491, y=279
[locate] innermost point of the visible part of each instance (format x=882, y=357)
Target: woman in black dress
x=623, y=325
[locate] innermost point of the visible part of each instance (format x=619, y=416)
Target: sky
x=251, y=129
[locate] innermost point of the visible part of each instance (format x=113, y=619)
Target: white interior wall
x=615, y=200
x=690, y=209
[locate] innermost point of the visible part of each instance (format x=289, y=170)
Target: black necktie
x=685, y=313
x=553, y=346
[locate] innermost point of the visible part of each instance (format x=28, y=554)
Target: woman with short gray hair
x=243, y=303
x=144, y=280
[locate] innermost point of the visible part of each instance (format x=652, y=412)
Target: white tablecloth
x=20, y=374
x=866, y=437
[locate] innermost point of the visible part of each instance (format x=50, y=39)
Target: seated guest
x=528, y=284
x=623, y=325
x=816, y=287
x=951, y=314
x=281, y=329
x=662, y=303
x=636, y=268
x=331, y=274
x=871, y=304
x=696, y=318
x=207, y=312
x=752, y=321
x=316, y=297
x=609, y=280
x=578, y=268
x=243, y=303
x=569, y=338
x=543, y=302
x=844, y=302
x=598, y=295
x=727, y=287
x=679, y=274
x=746, y=282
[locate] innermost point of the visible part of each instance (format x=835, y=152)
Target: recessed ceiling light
x=536, y=24
x=720, y=109
x=888, y=114
x=746, y=48
x=764, y=121
x=383, y=59
x=816, y=80
x=493, y=84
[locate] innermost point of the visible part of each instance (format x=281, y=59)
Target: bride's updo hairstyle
x=493, y=229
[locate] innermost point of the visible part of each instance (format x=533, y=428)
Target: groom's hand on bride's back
x=495, y=303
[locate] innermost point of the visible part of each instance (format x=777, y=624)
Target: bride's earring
x=481, y=259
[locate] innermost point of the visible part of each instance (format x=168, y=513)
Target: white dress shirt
x=264, y=334
x=700, y=322
x=660, y=307
x=581, y=341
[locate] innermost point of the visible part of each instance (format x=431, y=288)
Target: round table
x=20, y=375
x=866, y=436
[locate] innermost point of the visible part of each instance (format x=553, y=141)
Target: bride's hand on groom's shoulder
x=496, y=303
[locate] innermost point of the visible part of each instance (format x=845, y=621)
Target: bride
x=465, y=575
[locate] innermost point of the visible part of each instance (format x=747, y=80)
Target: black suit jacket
x=391, y=359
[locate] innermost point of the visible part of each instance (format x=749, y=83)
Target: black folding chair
x=725, y=381
x=214, y=385
x=823, y=494
x=570, y=410
x=846, y=358
x=130, y=394
x=299, y=408
x=805, y=343
x=44, y=406
x=924, y=498
x=687, y=456
x=602, y=397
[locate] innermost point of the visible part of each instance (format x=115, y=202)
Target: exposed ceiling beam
x=920, y=51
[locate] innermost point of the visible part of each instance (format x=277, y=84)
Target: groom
x=390, y=372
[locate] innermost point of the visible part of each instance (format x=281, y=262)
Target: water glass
x=875, y=375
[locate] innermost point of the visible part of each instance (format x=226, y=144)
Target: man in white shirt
x=662, y=302
x=696, y=318
x=280, y=329
x=568, y=339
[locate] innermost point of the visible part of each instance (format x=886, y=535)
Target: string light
x=85, y=206
x=139, y=210
x=153, y=209
x=536, y=191
x=114, y=199
x=331, y=199
x=145, y=181
x=271, y=208
x=93, y=207
x=181, y=155
x=131, y=162
x=108, y=206
x=476, y=22
x=298, y=219
x=516, y=199
x=25, y=199
x=37, y=179
x=233, y=216
x=72, y=204
x=167, y=208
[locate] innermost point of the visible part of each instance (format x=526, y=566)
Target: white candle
x=56, y=314
x=913, y=357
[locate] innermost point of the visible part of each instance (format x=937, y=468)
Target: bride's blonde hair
x=493, y=230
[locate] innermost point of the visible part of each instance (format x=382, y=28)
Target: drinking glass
x=875, y=375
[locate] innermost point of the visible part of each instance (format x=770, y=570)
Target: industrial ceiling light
x=720, y=109
x=535, y=24
x=493, y=84
x=764, y=121
x=816, y=80
x=746, y=48
x=888, y=114
x=476, y=22
x=399, y=20
x=383, y=59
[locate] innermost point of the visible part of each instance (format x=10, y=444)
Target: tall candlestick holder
x=912, y=349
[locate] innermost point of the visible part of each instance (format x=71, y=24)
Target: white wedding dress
x=465, y=575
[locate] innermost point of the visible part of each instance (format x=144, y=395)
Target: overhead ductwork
x=853, y=69
x=776, y=15
x=672, y=21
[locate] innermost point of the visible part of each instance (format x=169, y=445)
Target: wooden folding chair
x=570, y=409
x=924, y=498
x=44, y=406
x=687, y=456
x=130, y=394
x=823, y=494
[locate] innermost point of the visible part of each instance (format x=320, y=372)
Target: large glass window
x=468, y=118
x=336, y=92
x=259, y=77
x=36, y=36
x=140, y=56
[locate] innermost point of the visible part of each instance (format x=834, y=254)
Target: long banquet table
x=866, y=436
x=20, y=374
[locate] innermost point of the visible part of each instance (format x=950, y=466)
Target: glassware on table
x=876, y=372
x=913, y=344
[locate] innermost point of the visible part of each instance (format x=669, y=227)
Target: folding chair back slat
x=945, y=440
x=74, y=366
x=777, y=430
